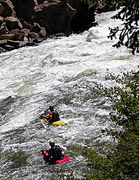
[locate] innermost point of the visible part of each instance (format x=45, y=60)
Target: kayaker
x=55, y=152
x=53, y=115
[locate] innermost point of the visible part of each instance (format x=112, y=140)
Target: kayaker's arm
x=44, y=117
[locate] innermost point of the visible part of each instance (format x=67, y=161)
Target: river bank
x=26, y=23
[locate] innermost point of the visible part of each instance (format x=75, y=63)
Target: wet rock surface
x=27, y=22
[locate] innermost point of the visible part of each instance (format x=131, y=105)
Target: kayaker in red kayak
x=54, y=153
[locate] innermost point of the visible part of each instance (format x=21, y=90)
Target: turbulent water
x=58, y=72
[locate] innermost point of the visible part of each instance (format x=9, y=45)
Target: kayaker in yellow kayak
x=53, y=115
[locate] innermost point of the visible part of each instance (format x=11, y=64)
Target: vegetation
x=123, y=162
x=129, y=33
x=87, y=1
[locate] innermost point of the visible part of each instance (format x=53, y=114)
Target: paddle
x=43, y=115
x=44, y=119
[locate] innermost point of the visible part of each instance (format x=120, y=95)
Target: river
x=58, y=72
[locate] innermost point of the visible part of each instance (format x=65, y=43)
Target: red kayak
x=64, y=159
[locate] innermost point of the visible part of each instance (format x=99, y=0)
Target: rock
x=8, y=8
x=40, y=39
x=3, y=42
x=7, y=36
x=25, y=39
x=2, y=50
x=26, y=25
x=1, y=9
x=31, y=44
x=9, y=47
x=33, y=36
x=55, y=16
x=13, y=23
x=36, y=28
x=24, y=42
x=18, y=34
x=40, y=1
x=25, y=31
x=25, y=22
x=84, y=15
x=3, y=28
x=36, y=2
x=24, y=8
x=9, y=99
x=42, y=32
x=14, y=43
x=1, y=20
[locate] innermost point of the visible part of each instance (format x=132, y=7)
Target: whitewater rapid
x=58, y=72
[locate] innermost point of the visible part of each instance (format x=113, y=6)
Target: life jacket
x=55, y=116
x=56, y=152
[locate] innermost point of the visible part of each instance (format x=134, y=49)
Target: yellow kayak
x=56, y=123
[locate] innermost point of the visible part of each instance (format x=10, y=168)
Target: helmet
x=51, y=108
x=51, y=143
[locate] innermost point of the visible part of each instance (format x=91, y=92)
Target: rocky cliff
x=27, y=22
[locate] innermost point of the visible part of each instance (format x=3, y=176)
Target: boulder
x=13, y=23
x=25, y=31
x=55, y=16
x=24, y=8
x=84, y=14
x=1, y=9
x=42, y=32
x=7, y=36
x=3, y=29
x=8, y=8
x=24, y=42
x=36, y=27
x=9, y=47
x=2, y=50
x=25, y=22
x=1, y=20
x=18, y=34
x=3, y=42
x=5, y=45
x=33, y=36
x=31, y=43
x=40, y=1
x=14, y=43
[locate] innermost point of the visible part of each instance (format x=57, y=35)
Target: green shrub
x=123, y=162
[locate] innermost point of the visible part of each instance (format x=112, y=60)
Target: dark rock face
x=13, y=23
x=8, y=8
x=24, y=8
x=84, y=16
x=26, y=22
x=55, y=16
